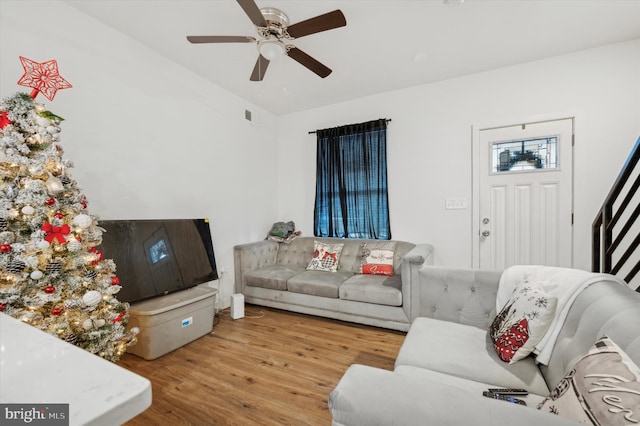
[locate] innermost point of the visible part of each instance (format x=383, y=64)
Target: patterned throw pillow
x=603, y=388
x=377, y=258
x=522, y=322
x=325, y=257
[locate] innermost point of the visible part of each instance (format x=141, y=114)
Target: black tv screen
x=155, y=257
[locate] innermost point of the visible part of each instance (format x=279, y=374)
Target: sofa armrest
x=412, y=262
x=465, y=296
x=419, y=255
x=247, y=257
x=371, y=396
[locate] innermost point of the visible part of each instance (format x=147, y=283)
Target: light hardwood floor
x=270, y=368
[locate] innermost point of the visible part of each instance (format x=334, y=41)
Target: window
x=521, y=155
x=351, y=182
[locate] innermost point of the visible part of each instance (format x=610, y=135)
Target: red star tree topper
x=42, y=77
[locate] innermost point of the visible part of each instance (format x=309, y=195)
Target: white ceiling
x=386, y=45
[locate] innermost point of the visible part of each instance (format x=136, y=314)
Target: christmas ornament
x=94, y=235
x=1, y=307
x=71, y=338
x=66, y=180
x=56, y=232
x=3, y=223
x=5, y=248
x=73, y=304
x=74, y=245
x=59, y=215
x=82, y=221
x=50, y=201
x=54, y=185
x=12, y=191
x=43, y=121
x=54, y=267
x=99, y=255
x=4, y=120
x=113, y=289
x=87, y=324
x=43, y=245
x=49, y=289
x=119, y=317
x=16, y=266
x=36, y=275
x=42, y=77
x=28, y=210
x=56, y=311
x=115, y=280
x=100, y=322
x=92, y=275
x=32, y=261
x=92, y=298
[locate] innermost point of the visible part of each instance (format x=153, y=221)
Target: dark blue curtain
x=351, y=182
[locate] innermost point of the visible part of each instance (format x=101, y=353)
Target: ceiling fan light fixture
x=271, y=49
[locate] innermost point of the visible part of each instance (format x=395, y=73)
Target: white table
x=38, y=368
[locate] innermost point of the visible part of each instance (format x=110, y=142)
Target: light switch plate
x=455, y=203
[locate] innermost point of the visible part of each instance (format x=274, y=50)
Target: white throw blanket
x=563, y=283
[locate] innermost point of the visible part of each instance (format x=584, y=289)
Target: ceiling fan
x=274, y=32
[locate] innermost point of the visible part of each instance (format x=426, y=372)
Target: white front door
x=525, y=195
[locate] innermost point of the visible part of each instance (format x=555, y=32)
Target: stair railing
x=615, y=220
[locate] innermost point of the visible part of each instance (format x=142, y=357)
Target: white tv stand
x=171, y=321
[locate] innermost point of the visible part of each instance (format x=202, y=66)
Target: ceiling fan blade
x=259, y=69
x=320, y=23
x=221, y=39
x=309, y=62
x=253, y=12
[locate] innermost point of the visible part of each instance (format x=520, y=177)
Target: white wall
x=148, y=138
x=429, y=141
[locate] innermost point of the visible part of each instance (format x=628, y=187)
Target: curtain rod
x=388, y=120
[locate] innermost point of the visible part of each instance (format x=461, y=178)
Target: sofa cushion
x=325, y=257
x=473, y=388
x=318, y=283
x=377, y=258
x=603, y=388
x=378, y=289
x=466, y=352
x=371, y=396
x=522, y=322
x=274, y=277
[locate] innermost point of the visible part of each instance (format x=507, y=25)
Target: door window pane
x=524, y=155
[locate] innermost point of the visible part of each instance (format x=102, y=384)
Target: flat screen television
x=155, y=257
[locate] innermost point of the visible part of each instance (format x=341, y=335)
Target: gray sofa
x=447, y=359
x=274, y=274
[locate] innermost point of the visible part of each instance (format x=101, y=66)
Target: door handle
x=486, y=233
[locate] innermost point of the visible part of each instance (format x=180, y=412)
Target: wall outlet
x=455, y=204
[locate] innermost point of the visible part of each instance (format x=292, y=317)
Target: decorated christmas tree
x=52, y=273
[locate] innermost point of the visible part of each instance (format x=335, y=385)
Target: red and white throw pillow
x=377, y=258
x=325, y=257
x=522, y=322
